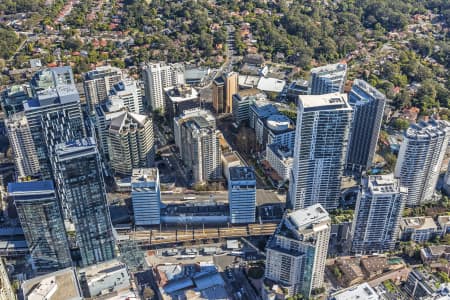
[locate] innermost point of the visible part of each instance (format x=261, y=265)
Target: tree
x=337, y=273
x=148, y=293
x=400, y=124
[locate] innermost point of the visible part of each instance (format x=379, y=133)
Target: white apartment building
x=328, y=79
x=130, y=142
x=420, y=158
x=280, y=159
x=127, y=93
x=321, y=139
x=21, y=141
x=198, y=142
x=157, y=77
x=297, y=252
x=97, y=84
x=378, y=212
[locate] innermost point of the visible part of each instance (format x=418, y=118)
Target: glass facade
x=81, y=185
x=42, y=223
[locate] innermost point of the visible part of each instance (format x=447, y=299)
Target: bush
x=255, y=272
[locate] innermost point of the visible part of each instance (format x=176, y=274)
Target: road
x=156, y=237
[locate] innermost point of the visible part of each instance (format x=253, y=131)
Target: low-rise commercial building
x=104, y=278
x=62, y=284
x=361, y=291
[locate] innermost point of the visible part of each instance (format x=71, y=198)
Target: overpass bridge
x=156, y=238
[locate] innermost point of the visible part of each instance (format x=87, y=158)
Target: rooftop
x=339, y=67
x=188, y=279
x=76, y=148
x=436, y=251
x=102, y=71
x=248, y=80
x=274, y=85
x=181, y=93
x=373, y=264
x=309, y=215
x=230, y=157
x=283, y=153
x=126, y=120
x=65, y=281
x=44, y=290
x=195, y=73
x=242, y=173
x=444, y=221
x=428, y=130
x=144, y=174
x=358, y=292
x=381, y=184
x=359, y=84
x=418, y=223
x=248, y=92
x=97, y=271
x=30, y=187
x=333, y=101
x=280, y=123
x=264, y=109
x=125, y=87
x=197, y=112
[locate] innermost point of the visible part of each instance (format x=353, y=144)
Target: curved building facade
x=420, y=159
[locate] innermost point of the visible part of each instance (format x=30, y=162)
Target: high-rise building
x=224, y=87
x=446, y=183
x=328, y=79
x=219, y=101
x=130, y=142
x=54, y=113
x=420, y=158
x=322, y=131
x=12, y=99
x=80, y=183
x=127, y=93
x=368, y=108
x=180, y=98
x=379, y=208
x=97, y=84
x=146, y=196
x=242, y=195
x=19, y=135
x=297, y=252
x=42, y=223
x=197, y=139
x=156, y=78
